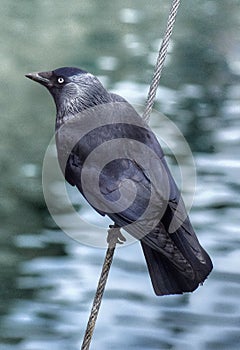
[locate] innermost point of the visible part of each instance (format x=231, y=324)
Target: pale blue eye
x=60, y=80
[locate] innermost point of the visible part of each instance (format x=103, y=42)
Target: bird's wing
x=120, y=179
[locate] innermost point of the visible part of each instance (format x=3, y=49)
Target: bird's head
x=73, y=89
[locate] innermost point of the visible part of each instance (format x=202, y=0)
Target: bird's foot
x=115, y=236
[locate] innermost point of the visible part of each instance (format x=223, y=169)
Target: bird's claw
x=115, y=236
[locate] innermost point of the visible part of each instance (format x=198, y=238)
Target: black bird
x=176, y=261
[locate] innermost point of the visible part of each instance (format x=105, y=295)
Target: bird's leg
x=115, y=236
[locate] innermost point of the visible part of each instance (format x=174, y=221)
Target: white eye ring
x=60, y=80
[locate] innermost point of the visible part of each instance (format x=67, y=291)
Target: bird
x=176, y=261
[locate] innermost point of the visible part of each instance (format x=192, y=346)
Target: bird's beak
x=43, y=78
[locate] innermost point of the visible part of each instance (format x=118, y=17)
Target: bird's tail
x=179, y=270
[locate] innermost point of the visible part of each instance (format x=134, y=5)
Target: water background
x=47, y=280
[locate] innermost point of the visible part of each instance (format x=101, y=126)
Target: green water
x=48, y=280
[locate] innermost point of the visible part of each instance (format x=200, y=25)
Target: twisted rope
x=98, y=298
x=160, y=60
x=149, y=104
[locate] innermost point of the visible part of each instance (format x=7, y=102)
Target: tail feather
x=165, y=278
x=180, y=273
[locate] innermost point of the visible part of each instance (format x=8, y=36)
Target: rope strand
x=98, y=298
x=160, y=60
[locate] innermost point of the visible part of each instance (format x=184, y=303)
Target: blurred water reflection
x=48, y=280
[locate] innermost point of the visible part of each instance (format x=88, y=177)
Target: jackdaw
x=134, y=185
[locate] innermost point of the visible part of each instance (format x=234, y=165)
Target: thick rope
x=98, y=298
x=160, y=60
x=149, y=104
